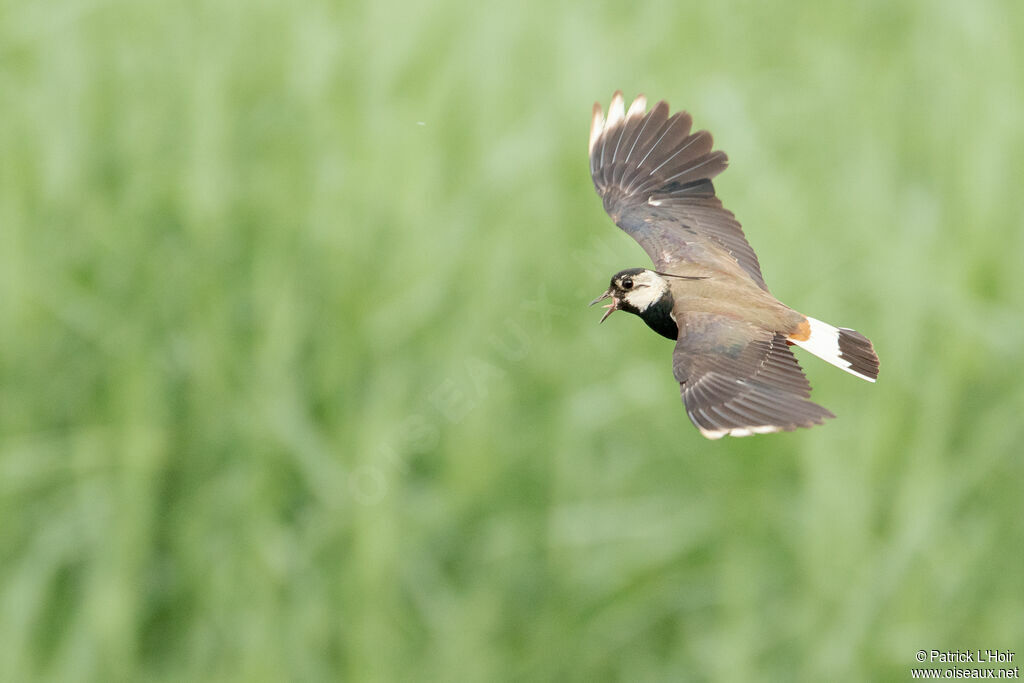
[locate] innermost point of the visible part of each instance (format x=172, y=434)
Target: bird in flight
x=736, y=372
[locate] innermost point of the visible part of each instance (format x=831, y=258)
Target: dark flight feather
x=734, y=376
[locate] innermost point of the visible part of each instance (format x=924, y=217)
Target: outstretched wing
x=654, y=177
x=738, y=379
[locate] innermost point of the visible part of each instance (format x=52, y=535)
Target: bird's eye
x=627, y=283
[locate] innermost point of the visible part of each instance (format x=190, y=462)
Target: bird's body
x=732, y=359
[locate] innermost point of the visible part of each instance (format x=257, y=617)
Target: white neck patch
x=648, y=287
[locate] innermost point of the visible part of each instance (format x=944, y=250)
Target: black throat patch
x=658, y=317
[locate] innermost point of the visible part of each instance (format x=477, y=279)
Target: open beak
x=612, y=307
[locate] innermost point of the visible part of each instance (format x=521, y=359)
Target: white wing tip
x=638, y=108
x=616, y=110
x=616, y=114
x=739, y=431
x=596, y=126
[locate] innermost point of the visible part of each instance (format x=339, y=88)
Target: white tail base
x=823, y=342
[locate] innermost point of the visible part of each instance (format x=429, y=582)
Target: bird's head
x=633, y=290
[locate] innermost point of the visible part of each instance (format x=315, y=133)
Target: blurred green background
x=299, y=381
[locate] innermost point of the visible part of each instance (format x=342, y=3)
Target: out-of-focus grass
x=298, y=380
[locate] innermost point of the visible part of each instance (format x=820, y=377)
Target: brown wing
x=654, y=177
x=738, y=379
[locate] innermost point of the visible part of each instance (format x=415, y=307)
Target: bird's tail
x=842, y=347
